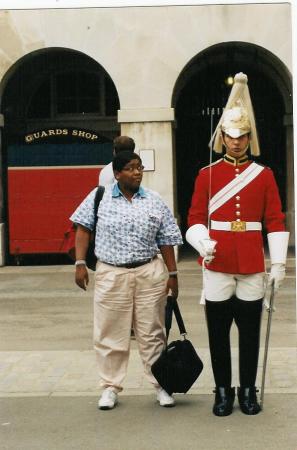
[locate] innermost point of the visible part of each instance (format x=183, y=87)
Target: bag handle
x=172, y=306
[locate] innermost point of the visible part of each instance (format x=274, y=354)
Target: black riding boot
x=219, y=318
x=224, y=399
x=247, y=398
x=247, y=315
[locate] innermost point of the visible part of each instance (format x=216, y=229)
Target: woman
x=131, y=281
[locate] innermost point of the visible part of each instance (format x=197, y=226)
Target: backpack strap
x=97, y=200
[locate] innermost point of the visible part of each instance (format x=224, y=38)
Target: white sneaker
x=108, y=399
x=165, y=399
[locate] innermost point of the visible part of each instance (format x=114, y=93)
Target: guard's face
x=130, y=176
x=236, y=147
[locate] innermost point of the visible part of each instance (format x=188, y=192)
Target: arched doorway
x=199, y=96
x=60, y=117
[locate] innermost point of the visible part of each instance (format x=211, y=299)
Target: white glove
x=197, y=235
x=277, y=273
x=206, y=248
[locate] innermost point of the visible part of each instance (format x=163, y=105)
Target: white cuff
x=195, y=233
x=278, y=246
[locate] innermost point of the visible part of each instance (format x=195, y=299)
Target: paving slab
x=139, y=423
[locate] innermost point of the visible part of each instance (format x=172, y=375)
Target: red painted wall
x=40, y=201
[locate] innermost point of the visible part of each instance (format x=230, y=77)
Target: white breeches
x=220, y=286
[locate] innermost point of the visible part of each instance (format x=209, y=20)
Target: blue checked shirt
x=128, y=231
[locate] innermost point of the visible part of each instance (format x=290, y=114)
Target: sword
x=270, y=310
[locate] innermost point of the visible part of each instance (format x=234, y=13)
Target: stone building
x=73, y=79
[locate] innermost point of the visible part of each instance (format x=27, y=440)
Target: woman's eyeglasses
x=132, y=168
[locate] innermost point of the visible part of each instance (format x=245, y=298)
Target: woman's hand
x=82, y=276
x=172, y=285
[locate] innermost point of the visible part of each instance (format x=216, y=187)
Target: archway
x=60, y=115
x=200, y=94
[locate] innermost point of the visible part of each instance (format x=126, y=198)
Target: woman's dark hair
x=121, y=159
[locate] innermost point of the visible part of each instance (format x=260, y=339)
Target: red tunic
x=259, y=201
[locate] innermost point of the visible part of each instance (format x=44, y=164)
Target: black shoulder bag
x=179, y=365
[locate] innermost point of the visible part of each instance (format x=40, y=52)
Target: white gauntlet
x=197, y=236
x=277, y=273
x=278, y=247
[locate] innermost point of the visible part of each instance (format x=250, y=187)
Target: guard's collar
x=116, y=192
x=236, y=162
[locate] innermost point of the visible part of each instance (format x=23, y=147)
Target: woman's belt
x=132, y=265
x=236, y=225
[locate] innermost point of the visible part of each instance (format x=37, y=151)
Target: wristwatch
x=80, y=262
x=173, y=274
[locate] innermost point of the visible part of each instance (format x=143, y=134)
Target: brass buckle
x=238, y=226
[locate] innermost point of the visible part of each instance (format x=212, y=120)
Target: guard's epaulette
x=212, y=164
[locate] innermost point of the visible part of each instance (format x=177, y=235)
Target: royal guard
x=234, y=199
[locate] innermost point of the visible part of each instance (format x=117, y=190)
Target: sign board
x=148, y=159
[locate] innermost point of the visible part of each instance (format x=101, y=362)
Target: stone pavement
x=46, y=330
x=49, y=386
x=138, y=423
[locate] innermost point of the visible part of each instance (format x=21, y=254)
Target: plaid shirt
x=128, y=231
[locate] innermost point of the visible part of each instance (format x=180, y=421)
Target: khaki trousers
x=124, y=298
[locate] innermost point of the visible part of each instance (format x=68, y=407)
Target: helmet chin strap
x=246, y=148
